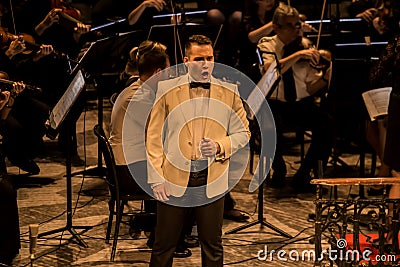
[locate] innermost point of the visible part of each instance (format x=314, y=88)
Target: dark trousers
x=9, y=223
x=392, y=148
x=170, y=221
x=304, y=114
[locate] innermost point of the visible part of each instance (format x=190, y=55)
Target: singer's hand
x=161, y=192
x=208, y=147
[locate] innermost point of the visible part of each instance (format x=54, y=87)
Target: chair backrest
x=109, y=159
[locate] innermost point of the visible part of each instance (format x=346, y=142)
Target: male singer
x=196, y=124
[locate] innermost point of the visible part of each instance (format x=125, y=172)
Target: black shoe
x=301, y=181
x=25, y=164
x=235, y=215
x=191, y=241
x=150, y=241
x=277, y=181
x=76, y=161
x=182, y=252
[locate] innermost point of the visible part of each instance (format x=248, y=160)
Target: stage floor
x=42, y=200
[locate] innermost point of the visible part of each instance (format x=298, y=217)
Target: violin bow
x=13, y=18
x=320, y=24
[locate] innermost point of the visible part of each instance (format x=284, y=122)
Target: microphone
x=33, y=236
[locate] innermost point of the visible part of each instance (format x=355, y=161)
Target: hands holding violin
x=157, y=4
x=16, y=46
x=368, y=15
x=79, y=30
x=53, y=17
x=44, y=50
x=7, y=99
x=135, y=14
x=380, y=25
x=377, y=16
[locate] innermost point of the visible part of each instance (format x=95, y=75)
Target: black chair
x=255, y=142
x=118, y=199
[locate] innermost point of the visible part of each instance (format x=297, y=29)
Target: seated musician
x=389, y=66
x=24, y=127
x=136, y=12
x=293, y=103
x=65, y=38
x=9, y=224
x=371, y=11
x=131, y=167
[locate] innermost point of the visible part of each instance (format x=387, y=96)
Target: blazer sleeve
x=154, y=142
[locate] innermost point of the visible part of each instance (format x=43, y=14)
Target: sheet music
x=65, y=103
x=377, y=102
x=257, y=97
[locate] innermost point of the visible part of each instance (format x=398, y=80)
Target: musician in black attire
x=138, y=13
x=369, y=11
x=293, y=103
x=9, y=223
x=24, y=127
x=389, y=65
x=228, y=13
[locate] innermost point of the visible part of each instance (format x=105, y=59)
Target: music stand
x=268, y=84
x=104, y=58
x=57, y=117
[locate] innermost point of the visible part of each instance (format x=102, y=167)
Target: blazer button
x=187, y=163
x=190, y=142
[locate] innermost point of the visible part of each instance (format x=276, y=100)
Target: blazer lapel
x=183, y=96
x=216, y=95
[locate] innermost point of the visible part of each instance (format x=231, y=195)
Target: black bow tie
x=199, y=84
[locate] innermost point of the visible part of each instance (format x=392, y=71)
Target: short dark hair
x=283, y=11
x=196, y=39
x=151, y=61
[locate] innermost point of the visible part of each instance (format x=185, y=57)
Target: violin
x=8, y=85
x=384, y=9
x=31, y=46
x=6, y=38
x=325, y=56
x=71, y=16
x=325, y=60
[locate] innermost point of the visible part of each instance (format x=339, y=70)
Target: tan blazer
x=169, y=135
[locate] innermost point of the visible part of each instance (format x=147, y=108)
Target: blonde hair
x=138, y=51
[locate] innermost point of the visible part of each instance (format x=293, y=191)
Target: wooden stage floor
x=42, y=200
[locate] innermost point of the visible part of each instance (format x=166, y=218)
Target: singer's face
x=200, y=62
